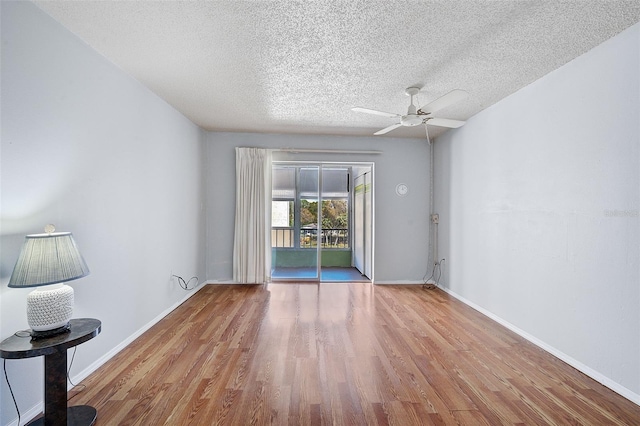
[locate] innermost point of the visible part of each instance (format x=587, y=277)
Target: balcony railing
x=331, y=238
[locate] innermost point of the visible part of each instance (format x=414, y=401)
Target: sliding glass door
x=296, y=222
x=312, y=236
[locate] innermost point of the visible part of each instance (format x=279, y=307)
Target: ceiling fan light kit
x=420, y=115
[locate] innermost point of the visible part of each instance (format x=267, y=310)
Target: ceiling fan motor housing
x=411, y=120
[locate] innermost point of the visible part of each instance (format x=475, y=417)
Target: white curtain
x=252, y=239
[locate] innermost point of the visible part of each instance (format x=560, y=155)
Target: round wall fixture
x=402, y=189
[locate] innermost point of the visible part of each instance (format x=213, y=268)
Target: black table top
x=81, y=330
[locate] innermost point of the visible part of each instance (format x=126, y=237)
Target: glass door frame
x=297, y=227
x=322, y=165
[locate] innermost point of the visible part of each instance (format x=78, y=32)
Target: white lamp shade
x=48, y=259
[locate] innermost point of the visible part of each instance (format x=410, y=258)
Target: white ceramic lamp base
x=50, y=308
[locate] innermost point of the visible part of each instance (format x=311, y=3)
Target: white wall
x=88, y=148
x=538, y=199
x=401, y=223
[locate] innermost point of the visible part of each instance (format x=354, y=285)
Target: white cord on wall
x=431, y=258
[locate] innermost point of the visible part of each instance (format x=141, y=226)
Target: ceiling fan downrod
x=412, y=118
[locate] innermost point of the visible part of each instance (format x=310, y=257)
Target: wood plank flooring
x=340, y=354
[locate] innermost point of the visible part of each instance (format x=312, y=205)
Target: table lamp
x=48, y=260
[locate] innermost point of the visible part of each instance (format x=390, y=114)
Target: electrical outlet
x=435, y=218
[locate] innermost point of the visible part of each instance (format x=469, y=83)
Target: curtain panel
x=252, y=238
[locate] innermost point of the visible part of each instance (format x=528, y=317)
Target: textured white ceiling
x=299, y=66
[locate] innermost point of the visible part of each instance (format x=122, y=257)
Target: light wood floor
x=340, y=354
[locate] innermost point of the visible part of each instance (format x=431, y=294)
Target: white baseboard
x=227, y=282
x=215, y=282
x=28, y=415
x=595, y=375
x=399, y=282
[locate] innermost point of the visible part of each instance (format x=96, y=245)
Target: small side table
x=54, y=350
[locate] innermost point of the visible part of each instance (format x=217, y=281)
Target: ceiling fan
x=421, y=115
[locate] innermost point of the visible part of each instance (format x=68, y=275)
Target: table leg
x=56, y=412
x=55, y=388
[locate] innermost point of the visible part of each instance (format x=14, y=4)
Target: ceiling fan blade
x=450, y=98
x=387, y=129
x=445, y=122
x=375, y=112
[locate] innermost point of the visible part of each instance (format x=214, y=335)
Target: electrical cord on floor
x=6, y=377
x=185, y=284
x=436, y=274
